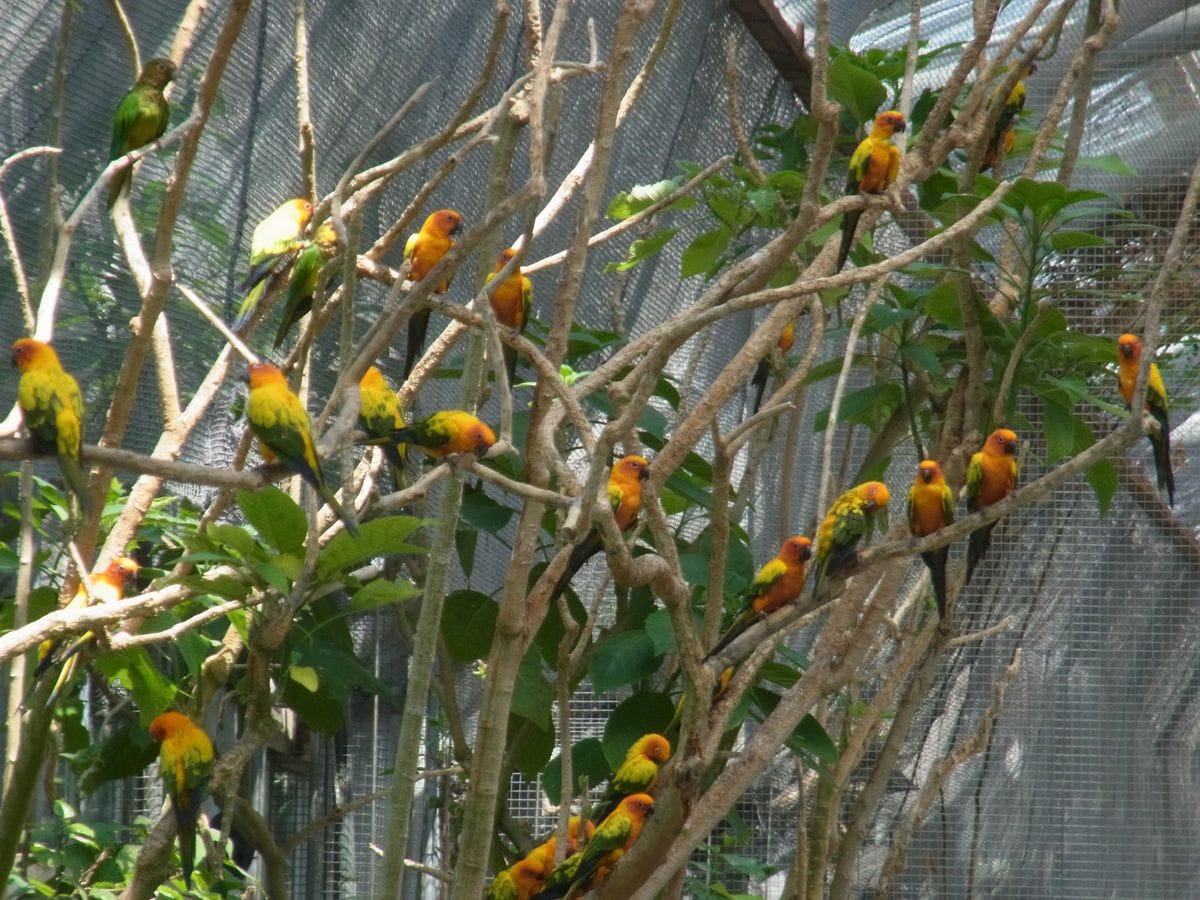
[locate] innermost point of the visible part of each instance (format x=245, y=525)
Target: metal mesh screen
x=1087, y=784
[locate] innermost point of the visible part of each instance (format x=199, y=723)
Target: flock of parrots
x=52, y=406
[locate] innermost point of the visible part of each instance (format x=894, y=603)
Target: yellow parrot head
x=797, y=549
x=444, y=222
x=1129, y=347
x=929, y=471
x=28, y=353
x=891, y=122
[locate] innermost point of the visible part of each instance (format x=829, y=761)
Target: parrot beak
x=1127, y=351
x=1010, y=447
x=902, y=126
x=457, y=229
x=927, y=475
x=644, y=475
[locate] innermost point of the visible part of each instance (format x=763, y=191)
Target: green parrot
x=141, y=117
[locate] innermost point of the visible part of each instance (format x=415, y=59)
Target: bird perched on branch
x=930, y=509
x=544, y=852
x=423, y=250
x=991, y=476
x=582, y=871
x=637, y=774
x=763, y=372
x=873, y=167
x=141, y=117
x=1129, y=356
x=52, y=408
x=280, y=422
x=1004, y=135
x=184, y=764
x=108, y=586
x=777, y=584
x=379, y=416
x=511, y=302
x=450, y=431
x=276, y=241
x=625, y=497
x=849, y=520
x=520, y=881
x=306, y=272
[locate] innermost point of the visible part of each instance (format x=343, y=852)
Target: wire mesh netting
x=1085, y=786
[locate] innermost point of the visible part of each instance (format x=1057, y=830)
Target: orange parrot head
x=875, y=493
x=635, y=467
x=1129, y=347
x=121, y=569
x=505, y=256
x=890, y=122
x=167, y=724
x=637, y=805
x=1002, y=441
x=656, y=747
x=262, y=374
x=443, y=223
x=28, y=353
x=929, y=471
x=797, y=549
x=481, y=437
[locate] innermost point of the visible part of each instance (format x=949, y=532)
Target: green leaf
x=855, y=88
x=622, y=659
x=643, y=249
x=380, y=537
x=1059, y=428
x=1109, y=162
x=380, y=592
x=468, y=624
x=465, y=542
x=529, y=747
x=1072, y=240
x=642, y=196
x=1102, y=476
x=306, y=677
x=702, y=253
x=272, y=575
x=922, y=358
x=636, y=715
x=532, y=693
x=124, y=752
x=587, y=764
x=482, y=512
x=233, y=538
x=661, y=630
x=152, y=691
x=276, y=517
x=942, y=304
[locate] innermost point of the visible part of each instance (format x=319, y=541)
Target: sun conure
x=777, y=584
x=276, y=241
x=1129, y=356
x=141, y=117
x=184, y=764
x=379, y=416
x=873, y=167
x=511, y=301
x=520, y=881
x=306, y=272
x=849, y=520
x=612, y=838
x=991, y=477
x=52, y=407
x=930, y=509
x=450, y=431
x=786, y=338
x=422, y=251
x=108, y=586
x=625, y=497
x=280, y=422
x=1005, y=133
x=637, y=774
x=544, y=852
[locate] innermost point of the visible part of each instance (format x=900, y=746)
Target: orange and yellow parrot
x=777, y=584
x=511, y=302
x=636, y=775
x=849, y=520
x=141, y=117
x=53, y=410
x=613, y=837
x=520, y=881
x=184, y=764
x=1005, y=133
x=763, y=372
x=625, y=496
x=1129, y=355
x=422, y=251
x=108, y=586
x=306, y=272
x=873, y=167
x=991, y=477
x=450, y=431
x=930, y=509
x=543, y=853
x=280, y=422
x=273, y=247
x=379, y=416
